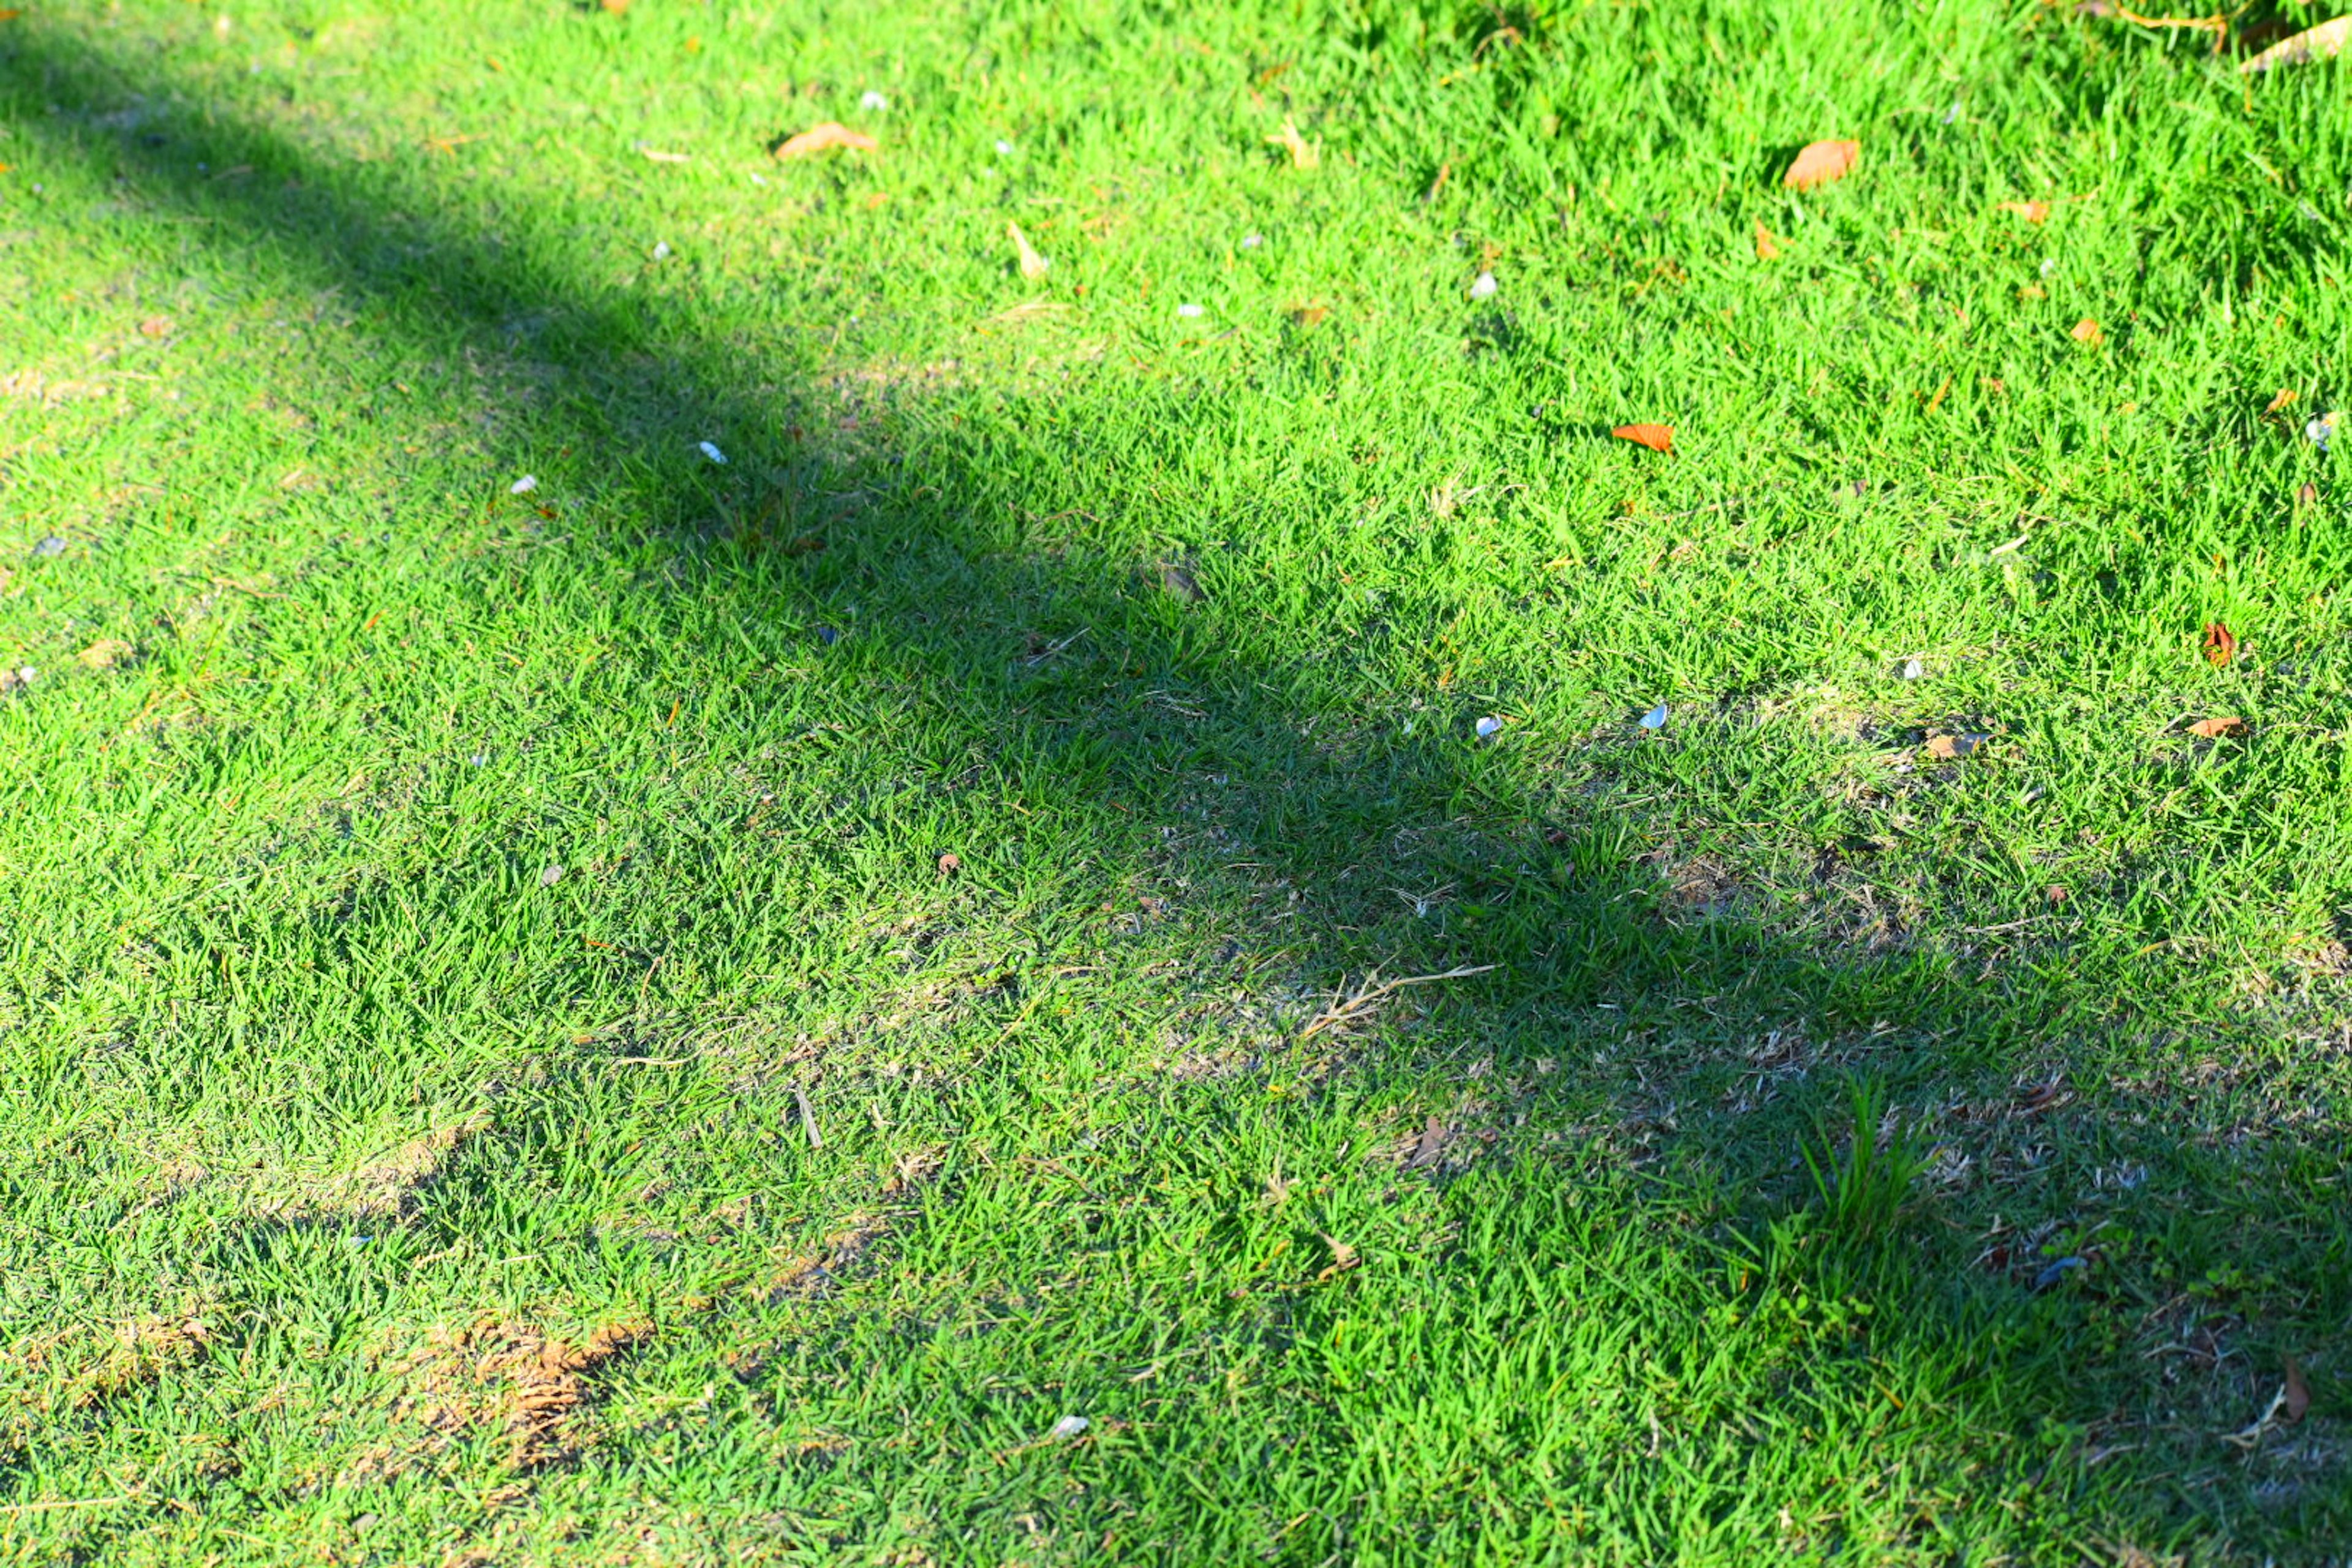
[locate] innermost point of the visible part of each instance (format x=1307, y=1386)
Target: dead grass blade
x=1358, y=1003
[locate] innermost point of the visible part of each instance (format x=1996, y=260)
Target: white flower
x=661, y=250
x=873, y=100
x=1483, y=287
x=523, y=486
x=1188, y=309
x=1004, y=148
x=1655, y=719
x=711, y=452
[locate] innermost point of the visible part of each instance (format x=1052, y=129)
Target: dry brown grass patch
x=500, y=1376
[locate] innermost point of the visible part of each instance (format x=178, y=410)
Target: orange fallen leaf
x=949, y=865
x=1952, y=748
x=1656, y=437
x=9, y=14
x=104, y=654
x=2285, y=397
x=2324, y=42
x=2308, y=495
x=1767, y=247
x=2032, y=211
x=1820, y=162
x=616, y=8
x=156, y=327
x=2295, y=1398
x=1308, y=315
x=2221, y=644
x=2086, y=331
x=2221, y=724
x=822, y=138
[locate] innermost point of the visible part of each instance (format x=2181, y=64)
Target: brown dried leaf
x=2032, y=211
x=1034, y=266
x=1308, y=315
x=822, y=138
x=2086, y=331
x=2308, y=495
x=2285, y=397
x=1303, y=154
x=616, y=8
x=2321, y=43
x=1820, y=162
x=2294, y=1400
x=1768, y=248
x=1657, y=437
x=2218, y=726
x=1952, y=748
x=156, y=327
x=2221, y=644
x=949, y=864
x=105, y=653
x=1343, y=1258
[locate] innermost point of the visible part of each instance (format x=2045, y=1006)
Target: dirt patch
x=384, y=1188
x=497, y=1375
x=101, y=1361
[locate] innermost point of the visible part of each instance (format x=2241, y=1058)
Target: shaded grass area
x=439, y=928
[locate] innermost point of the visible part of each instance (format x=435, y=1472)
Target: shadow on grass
x=1726, y=1052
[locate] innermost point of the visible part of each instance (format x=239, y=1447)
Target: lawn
x=694, y=869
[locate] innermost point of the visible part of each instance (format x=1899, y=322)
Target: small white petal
x=523, y=486
x=873, y=100
x=1070, y=1427
x=1489, y=727
x=711, y=452
x=1483, y=287
x=1188, y=309
x=661, y=250
x=1004, y=148
x=1655, y=719
x=759, y=179
x=1252, y=241
x=25, y=673
x=2049, y=265
x=1913, y=669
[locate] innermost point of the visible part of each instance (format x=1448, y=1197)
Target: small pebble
x=523, y=486
x=1655, y=719
x=1489, y=727
x=661, y=250
x=52, y=545
x=553, y=875
x=1913, y=669
x=873, y=100
x=1004, y=148
x=1069, y=1427
x=1252, y=241
x=1188, y=309
x=711, y=452
x=1483, y=287
x=479, y=759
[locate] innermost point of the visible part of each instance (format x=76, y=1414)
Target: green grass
x=440, y=922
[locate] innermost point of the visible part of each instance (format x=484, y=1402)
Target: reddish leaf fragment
x=1952, y=748
x=2308, y=495
x=156, y=327
x=1768, y=248
x=2218, y=726
x=949, y=865
x=1819, y=163
x=2285, y=397
x=822, y=138
x=2086, y=331
x=2221, y=644
x=2032, y=211
x=2295, y=1399
x=2324, y=42
x=1656, y=437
